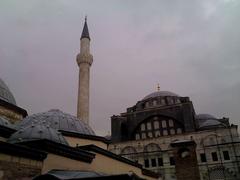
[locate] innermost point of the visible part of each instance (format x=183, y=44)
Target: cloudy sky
x=189, y=47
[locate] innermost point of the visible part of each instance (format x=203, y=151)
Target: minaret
x=84, y=60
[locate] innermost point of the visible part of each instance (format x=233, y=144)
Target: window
x=156, y=125
x=143, y=135
x=172, y=161
x=154, y=102
x=164, y=124
x=150, y=135
x=154, y=163
x=203, y=157
x=226, y=155
x=147, y=104
x=165, y=132
x=170, y=123
x=179, y=130
x=170, y=101
x=146, y=163
x=142, y=127
x=163, y=102
x=160, y=161
x=214, y=156
x=137, y=136
x=149, y=127
x=157, y=133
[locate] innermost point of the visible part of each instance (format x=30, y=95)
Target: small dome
x=4, y=122
x=36, y=132
x=211, y=122
x=204, y=117
x=58, y=120
x=160, y=94
x=5, y=93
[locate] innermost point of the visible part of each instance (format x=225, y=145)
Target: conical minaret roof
x=85, y=33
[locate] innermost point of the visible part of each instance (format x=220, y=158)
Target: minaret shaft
x=83, y=92
x=84, y=60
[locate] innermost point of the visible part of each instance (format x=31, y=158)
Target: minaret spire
x=85, y=33
x=84, y=61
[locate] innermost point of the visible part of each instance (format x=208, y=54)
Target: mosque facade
x=148, y=132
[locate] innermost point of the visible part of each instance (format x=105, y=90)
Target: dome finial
x=158, y=87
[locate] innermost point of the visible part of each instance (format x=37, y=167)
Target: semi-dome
x=5, y=123
x=58, y=120
x=37, y=132
x=160, y=94
x=5, y=93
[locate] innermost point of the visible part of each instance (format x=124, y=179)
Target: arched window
x=128, y=150
x=152, y=147
x=157, y=126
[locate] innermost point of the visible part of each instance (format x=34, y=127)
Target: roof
x=160, y=94
x=5, y=93
x=61, y=149
x=37, y=132
x=58, y=120
x=211, y=123
x=85, y=33
x=85, y=136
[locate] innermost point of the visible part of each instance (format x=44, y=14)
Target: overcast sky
x=189, y=47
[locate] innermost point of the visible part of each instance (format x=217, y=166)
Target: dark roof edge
x=18, y=150
x=85, y=136
x=61, y=149
x=13, y=107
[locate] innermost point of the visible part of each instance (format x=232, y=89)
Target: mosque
x=160, y=137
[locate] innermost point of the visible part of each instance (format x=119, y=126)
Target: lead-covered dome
x=5, y=93
x=160, y=94
x=58, y=120
x=37, y=132
x=207, y=121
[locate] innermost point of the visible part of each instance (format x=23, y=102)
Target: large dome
x=37, y=132
x=160, y=94
x=58, y=120
x=5, y=93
